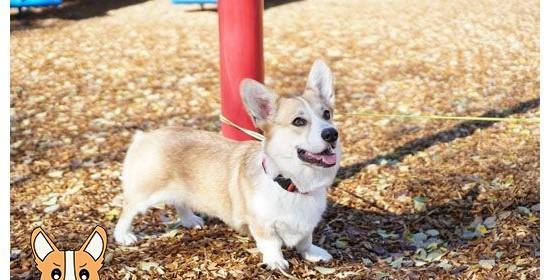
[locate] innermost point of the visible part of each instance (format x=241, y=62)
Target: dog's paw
x=126, y=238
x=275, y=263
x=316, y=254
x=192, y=221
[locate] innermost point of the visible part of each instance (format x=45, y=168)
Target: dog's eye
x=56, y=274
x=299, y=122
x=326, y=115
x=84, y=274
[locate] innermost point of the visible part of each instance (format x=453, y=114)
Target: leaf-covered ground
x=414, y=198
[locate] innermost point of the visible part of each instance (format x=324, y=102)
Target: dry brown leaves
x=414, y=198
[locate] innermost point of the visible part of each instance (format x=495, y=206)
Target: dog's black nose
x=329, y=134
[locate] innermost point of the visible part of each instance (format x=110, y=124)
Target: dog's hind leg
x=123, y=229
x=187, y=218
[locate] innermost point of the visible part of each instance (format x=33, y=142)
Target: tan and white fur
x=204, y=172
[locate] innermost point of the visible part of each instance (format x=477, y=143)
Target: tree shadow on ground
x=461, y=130
x=75, y=10
x=358, y=229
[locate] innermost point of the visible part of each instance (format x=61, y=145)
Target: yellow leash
x=260, y=137
x=437, y=117
x=250, y=133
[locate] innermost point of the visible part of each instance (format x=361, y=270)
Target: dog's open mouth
x=325, y=158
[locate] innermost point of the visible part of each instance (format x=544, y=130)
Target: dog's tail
x=137, y=136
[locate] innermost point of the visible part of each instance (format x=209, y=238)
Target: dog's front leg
x=269, y=244
x=311, y=252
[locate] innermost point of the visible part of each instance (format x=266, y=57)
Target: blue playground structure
x=201, y=2
x=34, y=3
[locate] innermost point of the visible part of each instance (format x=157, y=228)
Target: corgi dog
x=83, y=264
x=274, y=190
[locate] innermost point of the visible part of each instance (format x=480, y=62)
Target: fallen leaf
x=434, y=256
x=346, y=274
x=532, y=219
x=386, y=235
x=419, y=238
x=432, y=232
x=14, y=254
x=481, y=230
x=444, y=264
x=74, y=189
x=431, y=246
x=499, y=254
x=512, y=268
x=51, y=209
x=108, y=259
x=341, y=243
x=524, y=210
x=325, y=270
x=418, y=263
x=421, y=254
x=419, y=203
x=487, y=264
x=504, y=215
x=170, y=233
x=397, y=263
x=112, y=214
x=148, y=265
x=382, y=275
x=55, y=174
x=367, y=261
x=253, y=251
x=478, y=220
x=490, y=222
x=51, y=201
x=466, y=234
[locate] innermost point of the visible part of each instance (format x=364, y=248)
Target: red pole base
x=241, y=56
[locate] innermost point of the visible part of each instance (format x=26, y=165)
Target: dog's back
x=181, y=163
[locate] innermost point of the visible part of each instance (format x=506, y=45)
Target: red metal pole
x=241, y=56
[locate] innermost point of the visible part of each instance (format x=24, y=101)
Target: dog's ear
x=258, y=100
x=320, y=79
x=41, y=245
x=96, y=244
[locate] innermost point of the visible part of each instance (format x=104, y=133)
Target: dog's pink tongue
x=326, y=159
x=329, y=159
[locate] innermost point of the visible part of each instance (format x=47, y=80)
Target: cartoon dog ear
x=41, y=244
x=96, y=244
x=257, y=99
x=320, y=78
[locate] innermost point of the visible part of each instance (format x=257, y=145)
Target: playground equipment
x=34, y=3
x=241, y=56
x=201, y=2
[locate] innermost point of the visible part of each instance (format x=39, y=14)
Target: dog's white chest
x=292, y=215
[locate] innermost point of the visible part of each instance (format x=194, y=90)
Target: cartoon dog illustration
x=83, y=264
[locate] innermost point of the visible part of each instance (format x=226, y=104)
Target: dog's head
x=298, y=128
x=83, y=264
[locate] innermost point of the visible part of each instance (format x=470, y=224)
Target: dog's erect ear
x=41, y=244
x=96, y=244
x=258, y=100
x=320, y=79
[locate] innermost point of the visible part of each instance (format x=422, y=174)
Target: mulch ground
x=414, y=199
